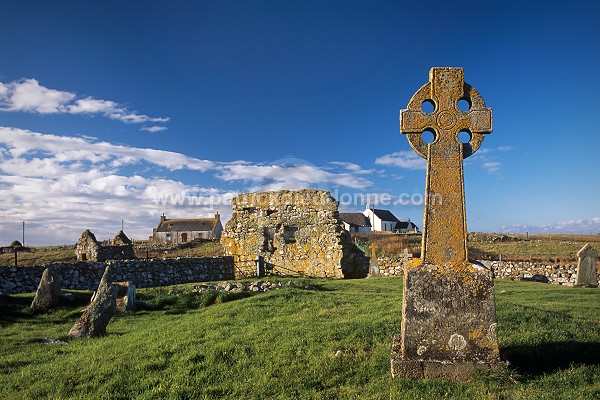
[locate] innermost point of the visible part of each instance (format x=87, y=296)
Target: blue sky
x=126, y=109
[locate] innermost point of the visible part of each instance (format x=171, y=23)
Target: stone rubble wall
x=143, y=273
x=152, y=273
x=392, y=266
x=558, y=274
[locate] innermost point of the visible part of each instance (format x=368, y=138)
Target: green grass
x=283, y=344
x=523, y=247
x=40, y=256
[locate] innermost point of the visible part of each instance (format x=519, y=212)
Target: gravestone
x=373, y=267
x=97, y=315
x=125, y=298
x=448, y=312
x=48, y=292
x=587, y=275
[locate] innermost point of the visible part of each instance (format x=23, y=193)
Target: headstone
x=373, y=266
x=97, y=315
x=587, y=275
x=448, y=315
x=125, y=296
x=48, y=292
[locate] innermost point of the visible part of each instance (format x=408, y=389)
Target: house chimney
x=163, y=218
x=217, y=216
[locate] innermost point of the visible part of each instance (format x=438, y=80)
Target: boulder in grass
x=48, y=292
x=97, y=315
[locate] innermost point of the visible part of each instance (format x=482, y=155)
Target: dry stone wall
x=291, y=233
x=559, y=274
x=150, y=273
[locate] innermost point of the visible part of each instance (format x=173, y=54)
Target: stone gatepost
x=448, y=311
x=587, y=275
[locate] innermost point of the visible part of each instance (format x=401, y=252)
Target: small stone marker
x=48, y=292
x=125, y=296
x=373, y=267
x=448, y=315
x=587, y=275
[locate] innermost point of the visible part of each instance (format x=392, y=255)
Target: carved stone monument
x=587, y=275
x=373, y=267
x=448, y=311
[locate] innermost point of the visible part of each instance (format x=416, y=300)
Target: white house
x=186, y=230
x=355, y=222
x=407, y=227
x=381, y=220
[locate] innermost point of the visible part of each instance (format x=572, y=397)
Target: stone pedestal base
x=448, y=324
x=373, y=271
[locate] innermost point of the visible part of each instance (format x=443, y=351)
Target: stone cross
x=444, y=239
x=373, y=248
x=449, y=326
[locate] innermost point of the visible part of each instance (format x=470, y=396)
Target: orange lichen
x=476, y=333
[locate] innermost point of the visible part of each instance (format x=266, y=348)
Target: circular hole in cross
x=464, y=136
x=428, y=106
x=428, y=136
x=464, y=105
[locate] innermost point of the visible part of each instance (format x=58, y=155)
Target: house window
x=184, y=237
x=289, y=234
x=168, y=237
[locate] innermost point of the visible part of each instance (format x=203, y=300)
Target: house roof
x=355, y=219
x=385, y=215
x=409, y=225
x=194, y=225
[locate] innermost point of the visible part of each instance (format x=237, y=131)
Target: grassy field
x=49, y=254
x=494, y=246
x=292, y=343
x=481, y=246
x=523, y=247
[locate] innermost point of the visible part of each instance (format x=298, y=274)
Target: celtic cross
x=444, y=239
x=373, y=248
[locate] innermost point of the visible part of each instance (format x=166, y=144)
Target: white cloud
x=402, y=159
x=352, y=167
x=90, y=105
x=492, y=167
x=28, y=95
x=19, y=142
x=153, y=129
x=292, y=176
x=574, y=226
x=504, y=148
x=62, y=185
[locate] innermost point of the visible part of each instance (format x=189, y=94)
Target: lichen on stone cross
x=373, y=248
x=444, y=223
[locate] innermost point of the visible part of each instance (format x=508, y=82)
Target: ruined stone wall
x=150, y=273
x=123, y=252
x=292, y=233
x=87, y=250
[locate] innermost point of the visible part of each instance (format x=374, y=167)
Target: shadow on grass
x=547, y=358
x=14, y=309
